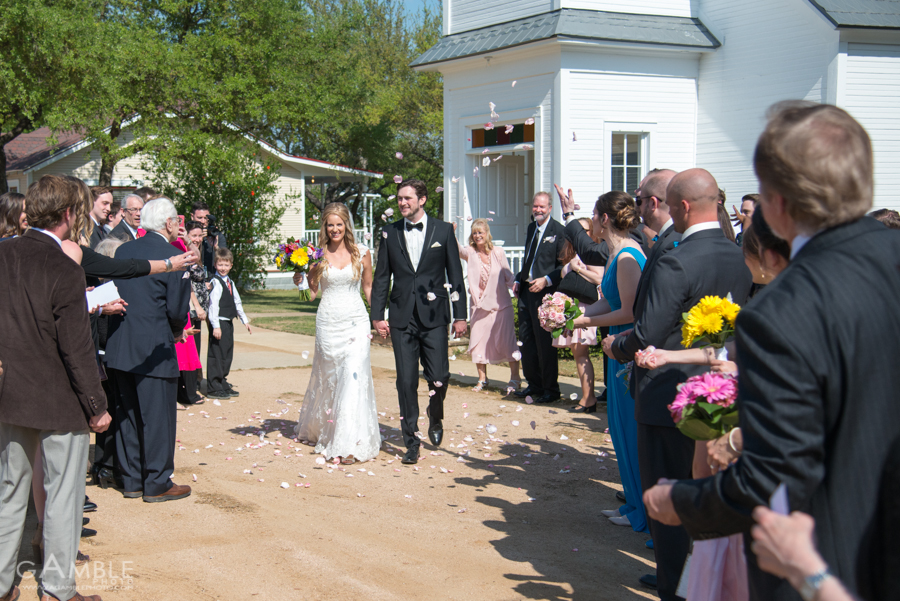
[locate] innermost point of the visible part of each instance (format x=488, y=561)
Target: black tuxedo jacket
x=142, y=341
x=121, y=232
x=594, y=253
x=667, y=240
x=817, y=355
x=438, y=265
x=705, y=264
x=98, y=234
x=546, y=261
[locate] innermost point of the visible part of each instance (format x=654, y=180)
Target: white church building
x=618, y=87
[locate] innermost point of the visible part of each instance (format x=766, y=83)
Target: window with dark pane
x=485, y=138
x=626, y=153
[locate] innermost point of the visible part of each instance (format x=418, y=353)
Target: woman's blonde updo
x=339, y=209
x=621, y=210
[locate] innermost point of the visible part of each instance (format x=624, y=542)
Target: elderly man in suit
x=545, y=240
x=50, y=393
x=131, y=219
x=141, y=351
x=816, y=352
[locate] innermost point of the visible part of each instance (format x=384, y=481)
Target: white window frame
x=645, y=130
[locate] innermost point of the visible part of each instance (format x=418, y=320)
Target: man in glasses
x=131, y=219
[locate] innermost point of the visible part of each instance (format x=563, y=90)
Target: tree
x=239, y=187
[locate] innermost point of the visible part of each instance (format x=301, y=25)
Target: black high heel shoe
x=583, y=409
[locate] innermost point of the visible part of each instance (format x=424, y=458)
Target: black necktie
x=532, y=250
x=414, y=226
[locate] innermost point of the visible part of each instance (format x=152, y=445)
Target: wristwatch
x=567, y=215
x=812, y=584
x=168, y=265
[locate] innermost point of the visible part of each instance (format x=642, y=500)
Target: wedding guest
x=200, y=214
x=13, y=221
x=115, y=216
x=888, y=217
x=725, y=223
x=127, y=229
x=199, y=286
x=704, y=263
x=748, y=206
x=581, y=339
x=615, y=215
x=492, y=330
x=103, y=198
x=141, y=354
x=186, y=350
x=51, y=396
x=539, y=277
x=798, y=384
x=224, y=306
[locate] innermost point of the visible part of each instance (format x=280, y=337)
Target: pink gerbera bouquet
x=556, y=313
x=704, y=408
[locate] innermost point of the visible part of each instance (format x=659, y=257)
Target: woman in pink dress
x=186, y=350
x=492, y=334
x=580, y=340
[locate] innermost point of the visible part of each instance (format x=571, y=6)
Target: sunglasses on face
x=639, y=199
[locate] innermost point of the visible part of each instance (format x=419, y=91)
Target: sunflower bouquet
x=298, y=256
x=710, y=322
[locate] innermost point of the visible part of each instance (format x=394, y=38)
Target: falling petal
x=486, y=161
x=399, y=156
x=488, y=126
x=384, y=235
x=469, y=218
x=475, y=173
x=515, y=422
x=398, y=179
x=510, y=128
x=389, y=212
x=492, y=105
x=518, y=343
x=454, y=179
x=383, y=217
x=320, y=460
x=517, y=355
x=465, y=415
x=514, y=83
x=195, y=477
x=527, y=146
x=494, y=117
x=438, y=384
x=573, y=396
x=217, y=403
x=439, y=189
x=430, y=393
x=448, y=286
x=430, y=296
x=485, y=151
x=454, y=296
x=453, y=357
x=391, y=197
x=574, y=137
x=305, y=354
x=529, y=400
x=529, y=121
x=498, y=157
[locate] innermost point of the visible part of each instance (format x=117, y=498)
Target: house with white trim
x=615, y=88
x=30, y=156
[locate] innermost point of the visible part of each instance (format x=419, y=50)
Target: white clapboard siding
x=669, y=8
x=872, y=95
x=771, y=50
x=85, y=164
x=465, y=15
x=664, y=106
x=290, y=183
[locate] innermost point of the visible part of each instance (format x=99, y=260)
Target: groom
x=420, y=253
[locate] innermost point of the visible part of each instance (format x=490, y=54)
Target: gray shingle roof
x=573, y=24
x=877, y=14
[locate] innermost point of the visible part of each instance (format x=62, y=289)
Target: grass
x=301, y=324
x=277, y=301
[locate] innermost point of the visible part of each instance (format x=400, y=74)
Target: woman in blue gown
x=614, y=217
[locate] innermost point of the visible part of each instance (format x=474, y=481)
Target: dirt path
x=496, y=525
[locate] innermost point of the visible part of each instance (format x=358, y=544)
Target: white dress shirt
x=665, y=226
x=130, y=229
x=215, y=296
x=415, y=240
x=699, y=227
x=800, y=241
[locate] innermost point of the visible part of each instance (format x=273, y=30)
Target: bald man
x=703, y=263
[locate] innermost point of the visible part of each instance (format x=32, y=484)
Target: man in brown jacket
x=50, y=391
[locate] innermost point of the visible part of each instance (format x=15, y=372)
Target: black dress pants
x=412, y=344
x=665, y=453
x=539, y=357
x=145, y=433
x=105, y=442
x=219, y=357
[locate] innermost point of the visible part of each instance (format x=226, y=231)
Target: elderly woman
x=492, y=335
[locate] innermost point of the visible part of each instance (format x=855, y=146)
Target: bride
x=339, y=416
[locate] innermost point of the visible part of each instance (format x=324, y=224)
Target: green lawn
x=301, y=324
x=276, y=301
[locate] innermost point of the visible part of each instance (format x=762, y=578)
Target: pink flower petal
x=514, y=83
x=439, y=189
x=399, y=156
x=529, y=121
x=398, y=179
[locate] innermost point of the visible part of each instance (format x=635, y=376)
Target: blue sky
x=413, y=6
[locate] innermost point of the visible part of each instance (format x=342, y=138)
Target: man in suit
x=50, y=392
x=103, y=199
x=816, y=355
x=131, y=219
x=115, y=216
x=703, y=263
x=421, y=253
x=545, y=240
x=141, y=351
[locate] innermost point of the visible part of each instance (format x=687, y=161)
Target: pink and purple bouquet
x=704, y=408
x=556, y=313
x=300, y=256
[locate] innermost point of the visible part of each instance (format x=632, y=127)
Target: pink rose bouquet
x=557, y=312
x=704, y=408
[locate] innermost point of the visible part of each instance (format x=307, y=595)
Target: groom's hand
x=459, y=328
x=381, y=327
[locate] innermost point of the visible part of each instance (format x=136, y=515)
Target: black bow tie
x=414, y=226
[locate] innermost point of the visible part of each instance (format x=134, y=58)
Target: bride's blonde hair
x=339, y=209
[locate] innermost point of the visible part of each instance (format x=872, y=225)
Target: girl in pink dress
x=492, y=334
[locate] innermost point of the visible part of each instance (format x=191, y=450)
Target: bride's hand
x=298, y=278
x=381, y=326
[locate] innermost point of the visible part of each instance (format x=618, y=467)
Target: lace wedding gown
x=339, y=413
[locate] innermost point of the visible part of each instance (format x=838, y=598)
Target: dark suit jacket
x=546, y=261
x=98, y=234
x=706, y=263
x=439, y=263
x=817, y=355
x=50, y=378
x=597, y=253
x=121, y=232
x=142, y=341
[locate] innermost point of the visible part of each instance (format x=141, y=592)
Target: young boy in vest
x=224, y=305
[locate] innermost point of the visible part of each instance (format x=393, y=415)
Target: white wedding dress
x=339, y=413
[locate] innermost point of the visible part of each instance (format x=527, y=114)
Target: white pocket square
x=550, y=239
x=436, y=245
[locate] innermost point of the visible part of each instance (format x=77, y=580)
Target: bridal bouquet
x=704, y=408
x=299, y=256
x=710, y=321
x=557, y=312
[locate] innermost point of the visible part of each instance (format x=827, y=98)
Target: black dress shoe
x=103, y=477
x=85, y=521
x=89, y=505
x=411, y=457
x=435, y=429
x=88, y=532
x=620, y=496
x=137, y=494
x=549, y=397
x=648, y=580
x=529, y=391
